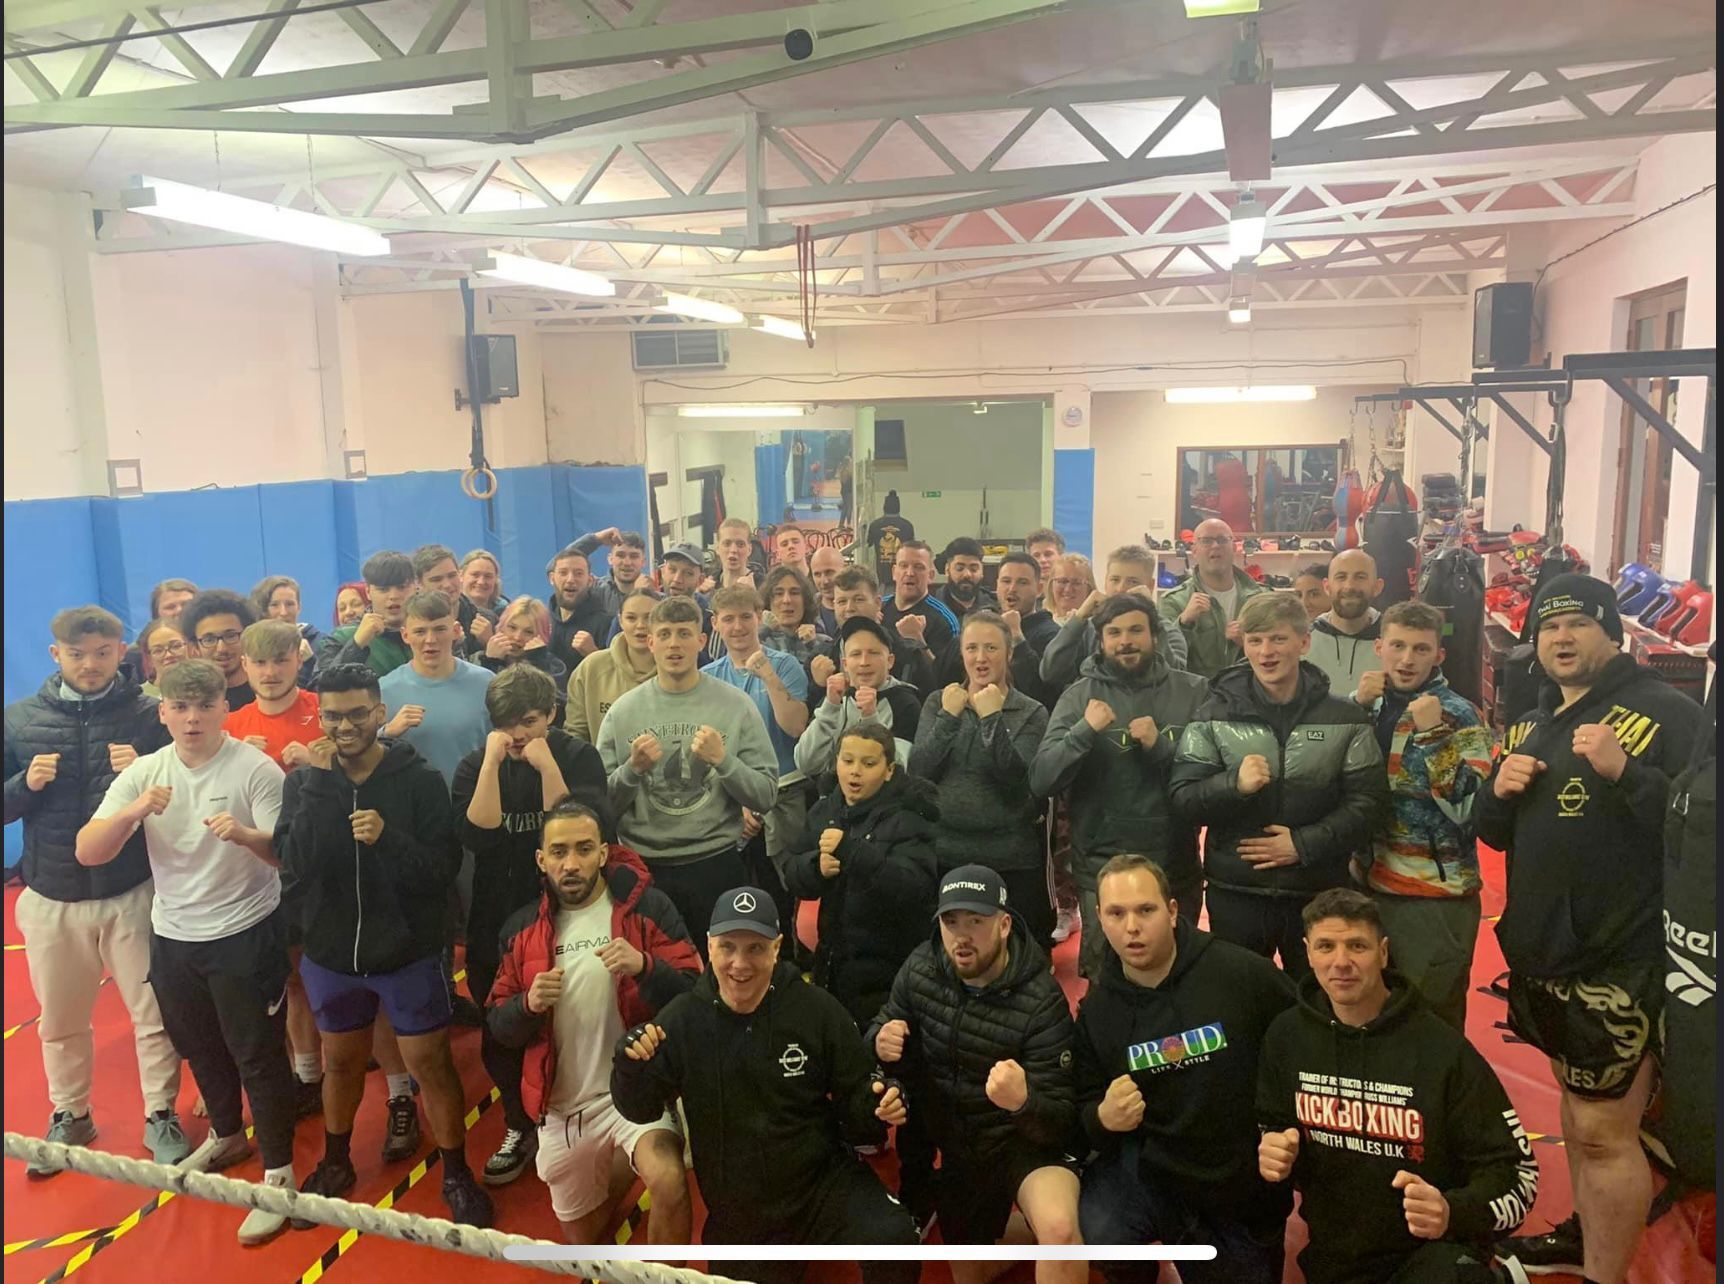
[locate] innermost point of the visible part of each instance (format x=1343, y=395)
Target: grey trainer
x=69, y=1130
x=218, y=1153
x=165, y=1138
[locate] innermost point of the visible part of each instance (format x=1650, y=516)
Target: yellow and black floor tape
x=58, y=1241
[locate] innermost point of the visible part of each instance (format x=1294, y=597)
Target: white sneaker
x=1065, y=925
x=217, y=1153
x=260, y=1227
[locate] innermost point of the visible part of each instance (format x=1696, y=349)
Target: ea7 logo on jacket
x=1190, y=1047
x=793, y=1061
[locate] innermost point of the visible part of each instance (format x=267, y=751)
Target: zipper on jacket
x=358, y=893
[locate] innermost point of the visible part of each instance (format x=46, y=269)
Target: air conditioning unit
x=668, y=348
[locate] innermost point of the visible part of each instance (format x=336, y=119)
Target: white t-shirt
x=1228, y=601
x=206, y=889
x=585, y=1020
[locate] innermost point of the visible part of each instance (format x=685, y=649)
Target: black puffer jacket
x=80, y=731
x=876, y=911
x=1327, y=781
x=957, y=1035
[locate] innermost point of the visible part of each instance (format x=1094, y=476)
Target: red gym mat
x=73, y=1225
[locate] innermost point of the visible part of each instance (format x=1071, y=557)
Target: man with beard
x=601, y=949
x=823, y=569
x=1110, y=747
x=1288, y=779
x=856, y=593
x=627, y=558
x=1130, y=569
x=909, y=610
x=580, y=618
x=376, y=640
x=366, y=833
x=1206, y=608
x=214, y=622
x=1577, y=802
x=679, y=576
x=502, y=792
x=1343, y=637
x=963, y=591
x=63, y=748
x=979, y=1021
x=769, y=1068
x=1166, y=1052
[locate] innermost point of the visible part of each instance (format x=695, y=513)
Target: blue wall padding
x=769, y=492
x=144, y=540
x=50, y=565
x=407, y=510
x=1074, y=499
x=598, y=498
x=300, y=531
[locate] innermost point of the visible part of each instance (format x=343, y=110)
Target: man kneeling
x=1406, y=1152
x=986, y=1031
x=600, y=950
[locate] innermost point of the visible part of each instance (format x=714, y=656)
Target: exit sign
x=930, y=494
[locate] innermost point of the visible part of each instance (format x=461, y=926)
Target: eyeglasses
x=210, y=641
x=166, y=649
x=353, y=717
x=1069, y=583
x=1216, y=540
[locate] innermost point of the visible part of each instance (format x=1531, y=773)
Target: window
x=1644, y=458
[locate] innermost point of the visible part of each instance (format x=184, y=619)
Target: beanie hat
x=1579, y=594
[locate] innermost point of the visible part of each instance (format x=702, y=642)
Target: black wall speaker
x=1502, y=325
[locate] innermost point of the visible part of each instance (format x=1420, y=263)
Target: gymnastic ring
x=470, y=486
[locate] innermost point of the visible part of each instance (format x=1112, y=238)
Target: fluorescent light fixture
x=1211, y=396
x=1220, y=8
x=727, y=411
x=1239, y=311
x=1246, y=226
x=549, y=276
x=204, y=208
x=700, y=309
x=780, y=327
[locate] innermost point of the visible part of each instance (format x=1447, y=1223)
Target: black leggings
x=1262, y=924
x=224, y=1004
x=694, y=885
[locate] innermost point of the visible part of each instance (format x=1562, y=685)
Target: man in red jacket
x=601, y=951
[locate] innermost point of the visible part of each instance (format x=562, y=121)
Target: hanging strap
x=478, y=482
x=1559, y=399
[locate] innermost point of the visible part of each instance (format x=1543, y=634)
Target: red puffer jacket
x=642, y=915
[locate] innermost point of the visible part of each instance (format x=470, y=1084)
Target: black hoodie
x=1405, y=1091
x=369, y=908
x=770, y=1097
x=876, y=911
x=1191, y=1044
x=1584, y=853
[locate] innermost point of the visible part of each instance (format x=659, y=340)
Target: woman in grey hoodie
x=976, y=740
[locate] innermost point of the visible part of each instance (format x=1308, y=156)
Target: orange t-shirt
x=298, y=724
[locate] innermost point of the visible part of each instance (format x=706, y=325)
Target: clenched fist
x=1253, y=774
x=543, y=992
x=538, y=755
x=320, y=753
x=258, y=743
x=1121, y=1110
x=1091, y=604
x=1099, y=714
x=1427, y=713
x=497, y=746
x=1234, y=631
x=1199, y=606
x=889, y=1043
x=295, y=754
x=371, y=625
x=44, y=767
x=758, y=665
x=1015, y=622
x=224, y=826
x=1144, y=731
x=954, y=699
x=821, y=668
x=644, y=753
x=621, y=958
x=122, y=756
x=153, y=801
x=481, y=630
x=1372, y=684
x=583, y=643
x=708, y=746
x=646, y=1042
x=989, y=700
x=501, y=646
x=405, y=719
x=1276, y=1153
x=1598, y=745
x=867, y=699
x=367, y=826
x=1426, y=1209
x=1516, y=773
x=1007, y=1087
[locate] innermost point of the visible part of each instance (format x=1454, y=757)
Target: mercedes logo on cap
x=743, y=904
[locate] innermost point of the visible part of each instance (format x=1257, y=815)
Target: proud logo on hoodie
x=1190, y=1047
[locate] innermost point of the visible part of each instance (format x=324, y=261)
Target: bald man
x=1344, y=638
x=823, y=569
x=1206, y=607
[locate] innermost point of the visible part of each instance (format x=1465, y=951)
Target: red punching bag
x=1349, y=505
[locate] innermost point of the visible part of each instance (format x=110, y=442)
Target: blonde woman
x=1069, y=586
x=482, y=581
x=523, y=636
x=605, y=676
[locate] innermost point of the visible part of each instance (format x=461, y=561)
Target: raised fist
x=1099, y=714
x=1253, y=774
x=708, y=746
x=644, y=753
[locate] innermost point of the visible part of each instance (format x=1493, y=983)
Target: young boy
x=865, y=692
x=376, y=640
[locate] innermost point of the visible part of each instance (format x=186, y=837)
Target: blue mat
x=1074, y=499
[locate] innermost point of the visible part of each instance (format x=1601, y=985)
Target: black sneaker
x=467, y=1200
x=1558, y=1251
x=465, y=1011
x=401, y=1139
x=512, y=1157
x=308, y=1099
x=332, y=1178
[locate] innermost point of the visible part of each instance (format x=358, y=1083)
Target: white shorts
x=575, y=1154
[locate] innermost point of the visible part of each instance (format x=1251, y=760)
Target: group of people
x=618, y=796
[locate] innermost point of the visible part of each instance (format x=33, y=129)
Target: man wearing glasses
x=367, y=835
x=1206, y=607
x=214, y=622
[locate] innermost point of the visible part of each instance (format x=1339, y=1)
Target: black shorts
x=1597, y=1028
x=974, y=1197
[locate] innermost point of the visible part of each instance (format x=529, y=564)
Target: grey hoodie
x=1344, y=656
x=684, y=808
x=1064, y=655
x=817, y=749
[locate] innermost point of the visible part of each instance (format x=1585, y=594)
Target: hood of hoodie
x=1237, y=688
x=1189, y=945
x=783, y=974
x=1620, y=671
x=901, y=790
x=1314, y=1006
x=619, y=650
x=1095, y=668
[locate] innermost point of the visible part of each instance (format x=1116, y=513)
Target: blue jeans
x=1117, y=1206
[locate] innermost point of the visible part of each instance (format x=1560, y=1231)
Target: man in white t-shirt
x=208, y=805
x=601, y=951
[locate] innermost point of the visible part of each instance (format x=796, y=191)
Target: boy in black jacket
x=502, y=793
x=1167, y=1046
x=868, y=858
x=1406, y=1152
x=774, y=1081
x=1577, y=802
x=367, y=835
x=985, y=1029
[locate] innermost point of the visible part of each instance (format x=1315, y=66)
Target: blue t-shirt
x=796, y=682
x=455, y=719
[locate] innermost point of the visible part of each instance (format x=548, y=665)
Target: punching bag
x=1349, y=504
x=1454, y=583
x=1391, y=523
x=1233, y=494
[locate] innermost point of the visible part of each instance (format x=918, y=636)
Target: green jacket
x=1208, y=651
x=387, y=652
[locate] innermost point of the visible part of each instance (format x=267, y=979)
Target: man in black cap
x=985, y=1031
x=679, y=575
x=1577, y=801
x=769, y=1067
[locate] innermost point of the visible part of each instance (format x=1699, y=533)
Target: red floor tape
x=184, y=1239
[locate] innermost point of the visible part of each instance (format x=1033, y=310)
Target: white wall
x=952, y=450
x=42, y=434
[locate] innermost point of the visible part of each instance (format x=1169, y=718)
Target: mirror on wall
x=1285, y=490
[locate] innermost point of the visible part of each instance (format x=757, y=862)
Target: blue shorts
x=415, y=998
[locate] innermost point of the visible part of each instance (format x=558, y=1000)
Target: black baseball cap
x=975, y=888
x=745, y=909
x=862, y=624
x=686, y=552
